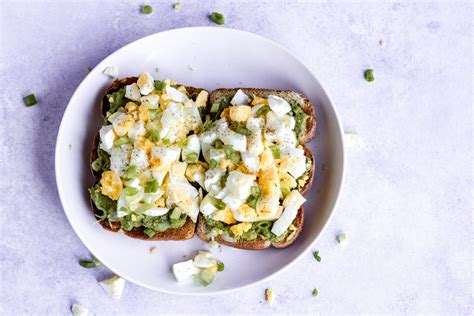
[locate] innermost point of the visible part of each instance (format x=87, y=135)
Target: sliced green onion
x=176, y=213
x=154, y=135
x=151, y=186
x=251, y=201
x=284, y=191
x=220, y=266
x=218, y=144
x=147, y=9
x=29, y=100
x=212, y=164
x=97, y=164
x=166, y=142
x=206, y=277
x=315, y=292
x=316, y=256
x=228, y=150
x=236, y=127
x=275, y=151
x=89, y=264
x=217, y=18
x=223, y=180
x=149, y=232
x=130, y=191
x=207, y=123
x=369, y=75
x=192, y=157
x=121, y=141
x=264, y=224
x=159, y=85
x=263, y=110
x=217, y=203
x=131, y=172
x=235, y=157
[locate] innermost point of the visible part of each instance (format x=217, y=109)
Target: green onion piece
x=315, y=292
x=121, y=141
x=264, y=224
x=89, y=264
x=192, y=157
x=151, y=186
x=220, y=266
x=131, y=172
x=284, y=191
x=212, y=164
x=154, y=135
x=149, y=232
x=217, y=18
x=255, y=190
x=207, y=123
x=29, y=100
x=316, y=256
x=275, y=151
x=97, y=164
x=147, y=9
x=228, y=149
x=176, y=213
x=130, y=191
x=159, y=85
x=236, y=127
x=166, y=142
x=263, y=110
x=223, y=180
x=217, y=203
x=218, y=144
x=369, y=75
x=251, y=201
x=235, y=157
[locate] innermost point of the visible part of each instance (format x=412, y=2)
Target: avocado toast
x=258, y=167
x=140, y=156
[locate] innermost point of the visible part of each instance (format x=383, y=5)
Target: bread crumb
x=341, y=238
x=269, y=297
x=177, y=6
x=153, y=250
x=157, y=69
x=191, y=68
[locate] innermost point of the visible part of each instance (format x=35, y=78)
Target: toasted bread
x=203, y=233
x=183, y=233
x=308, y=183
x=288, y=95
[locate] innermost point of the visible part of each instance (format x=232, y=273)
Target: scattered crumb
x=184, y=256
x=70, y=146
x=111, y=71
x=157, y=69
x=89, y=69
x=213, y=244
x=177, y=6
x=78, y=310
x=353, y=139
x=341, y=238
x=240, y=82
x=324, y=167
x=153, y=250
x=191, y=68
x=381, y=42
x=45, y=119
x=315, y=292
x=269, y=297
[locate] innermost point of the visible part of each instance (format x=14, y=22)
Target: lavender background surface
x=406, y=207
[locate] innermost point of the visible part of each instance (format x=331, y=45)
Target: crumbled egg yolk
x=259, y=100
x=226, y=163
x=267, y=180
x=144, y=112
x=121, y=127
x=160, y=202
x=225, y=113
x=246, y=211
x=111, y=184
x=131, y=107
x=225, y=216
x=287, y=180
x=144, y=144
x=269, y=296
x=239, y=113
x=192, y=169
x=266, y=159
x=241, y=228
x=201, y=99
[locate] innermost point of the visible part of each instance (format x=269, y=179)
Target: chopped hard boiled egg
x=239, y=113
x=203, y=268
x=176, y=95
x=132, y=92
x=145, y=83
x=239, y=98
x=207, y=207
x=111, y=71
x=239, y=229
x=113, y=286
x=184, y=270
x=156, y=211
x=107, y=137
x=225, y=216
x=122, y=123
x=111, y=184
x=278, y=105
x=152, y=100
x=204, y=260
x=292, y=203
x=239, y=184
x=201, y=99
x=137, y=130
x=251, y=161
x=79, y=310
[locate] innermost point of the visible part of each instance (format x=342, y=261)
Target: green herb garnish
x=236, y=127
x=154, y=135
x=275, y=151
x=220, y=266
x=159, y=85
x=176, y=213
x=166, y=142
x=147, y=9
x=130, y=191
x=191, y=158
x=29, y=100
x=217, y=18
x=217, y=203
x=315, y=292
x=89, y=264
x=369, y=75
x=262, y=111
x=218, y=144
x=149, y=232
x=212, y=164
x=131, y=172
x=116, y=99
x=121, y=141
x=151, y=186
x=341, y=238
x=316, y=256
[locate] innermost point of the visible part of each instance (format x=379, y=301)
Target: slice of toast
x=288, y=95
x=182, y=233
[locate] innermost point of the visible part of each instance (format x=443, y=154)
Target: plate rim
x=340, y=185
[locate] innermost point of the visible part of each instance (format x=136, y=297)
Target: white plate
x=219, y=57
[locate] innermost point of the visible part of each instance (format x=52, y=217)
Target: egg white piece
x=278, y=105
x=137, y=130
x=212, y=177
x=207, y=207
x=119, y=159
x=79, y=310
x=192, y=146
x=113, y=286
x=132, y=92
x=255, y=140
x=216, y=154
x=152, y=196
x=112, y=117
x=175, y=94
x=152, y=101
x=233, y=202
x=145, y=83
x=292, y=203
x=204, y=260
x=184, y=270
x=107, y=137
x=239, y=184
x=239, y=98
x=111, y=71
x=134, y=183
x=156, y=211
x=139, y=159
x=251, y=161
x=229, y=137
x=118, y=124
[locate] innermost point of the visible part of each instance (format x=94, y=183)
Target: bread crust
x=182, y=233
